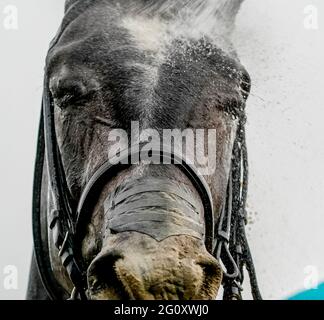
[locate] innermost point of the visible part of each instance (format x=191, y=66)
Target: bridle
x=225, y=240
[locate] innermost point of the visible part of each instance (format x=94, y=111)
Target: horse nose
x=137, y=267
x=102, y=275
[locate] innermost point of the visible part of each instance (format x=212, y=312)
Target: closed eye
x=72, y=98
x=70, y=92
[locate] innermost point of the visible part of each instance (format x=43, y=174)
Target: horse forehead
x=153, y=34
x=148, y=34
x=135, y=31
x=148, y=30
x=133, y=42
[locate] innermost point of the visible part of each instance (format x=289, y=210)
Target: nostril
x=210, y=266
x=212, y=278
x=101, y=272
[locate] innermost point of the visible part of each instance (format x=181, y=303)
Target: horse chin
x=141, y=268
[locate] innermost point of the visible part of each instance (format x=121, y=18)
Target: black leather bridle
x=226, y=240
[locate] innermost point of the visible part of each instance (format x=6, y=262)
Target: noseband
x=109, y=170
x=225, y=240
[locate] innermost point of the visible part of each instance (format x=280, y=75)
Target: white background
x=285, y=136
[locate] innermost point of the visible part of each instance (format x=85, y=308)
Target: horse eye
x=68, y=93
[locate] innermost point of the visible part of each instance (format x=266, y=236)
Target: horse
x=106, y=226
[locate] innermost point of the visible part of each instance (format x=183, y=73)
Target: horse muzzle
x=135, y=266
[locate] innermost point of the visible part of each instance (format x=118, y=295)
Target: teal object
x=312, y=294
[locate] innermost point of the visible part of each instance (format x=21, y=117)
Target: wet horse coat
x=114, y=63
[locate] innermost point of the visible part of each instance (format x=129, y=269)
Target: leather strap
x=109, y=169
x=157, y=207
